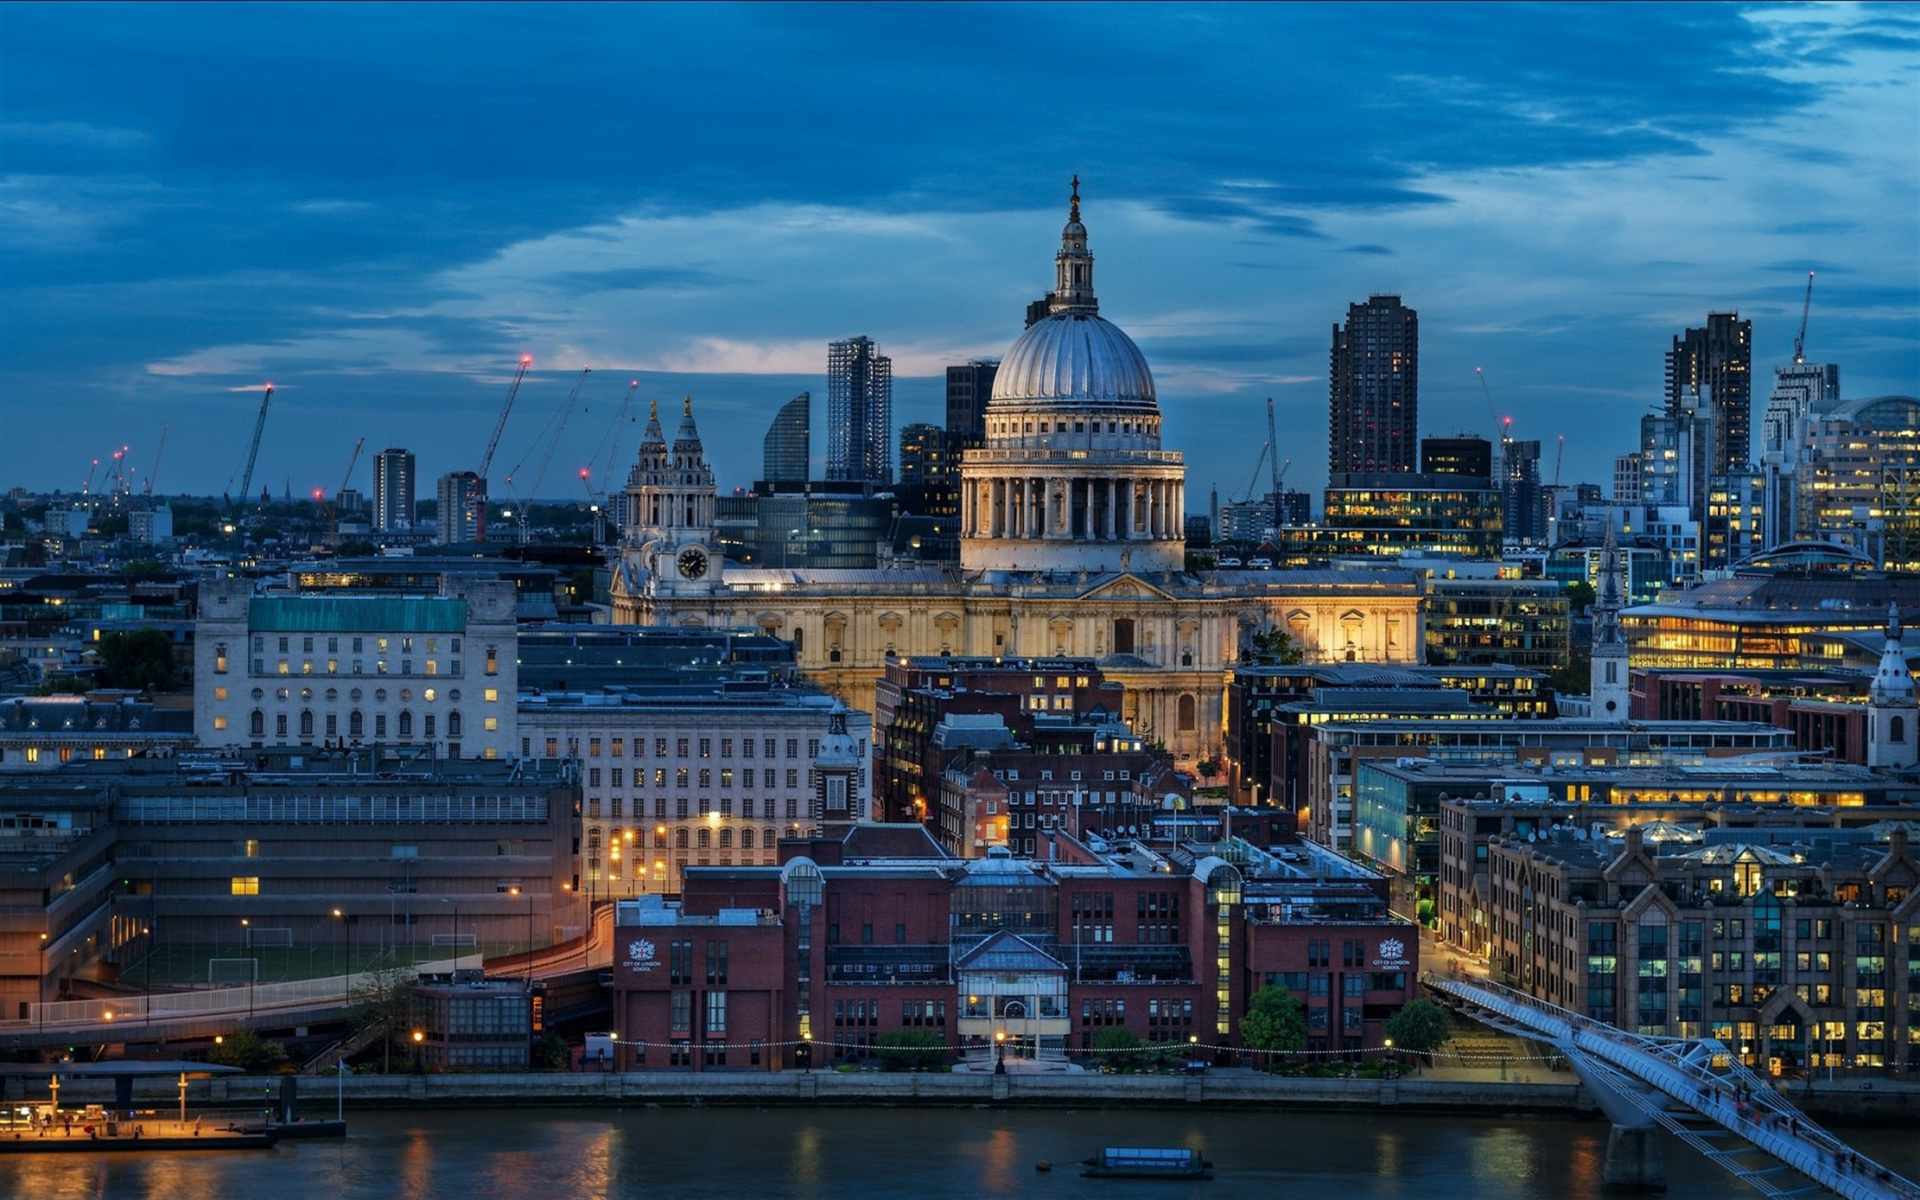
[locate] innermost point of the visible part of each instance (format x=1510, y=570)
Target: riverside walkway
x=1694, y=1089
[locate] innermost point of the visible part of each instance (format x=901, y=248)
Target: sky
x=381, y=208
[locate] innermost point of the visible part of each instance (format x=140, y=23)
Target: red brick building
x=811, y=962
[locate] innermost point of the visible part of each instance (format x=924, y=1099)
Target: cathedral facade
x=1072, y=544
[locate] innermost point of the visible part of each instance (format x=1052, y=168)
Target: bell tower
x=670, y=504
x=1609, y=688
x=1892, y=741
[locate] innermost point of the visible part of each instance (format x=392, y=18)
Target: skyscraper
x=859, y=412
x=969, y=387
x=1522, y=513
x=1374, y=399
x=1712, y=368
x=785, y=450
x=454, y=492
x=393, y=491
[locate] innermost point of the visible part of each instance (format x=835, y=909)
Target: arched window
x=1186, y=720
x=1897, y=729
x=746, y=839
x=726, y=839
x=406, y=722
x=453, y=724
x=356, y=724
x=680, y=838
x=770, y=838
x=705, y=840
x=257, y=724
x=306, y=722
x=279, y=724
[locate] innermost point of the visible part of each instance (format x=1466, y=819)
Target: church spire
x=1073, y=265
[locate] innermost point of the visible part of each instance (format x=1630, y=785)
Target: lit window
x=492, y=724
x=491, y=695
x=245, y=885
x=219, y=722
x=219, y=693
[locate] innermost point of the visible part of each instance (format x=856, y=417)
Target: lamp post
x=418, y=1038
x=634, y=866
x=1389, y=1052
x=515, y=891
x=1000, y=1052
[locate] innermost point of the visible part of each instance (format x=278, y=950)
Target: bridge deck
x=1693, y=1078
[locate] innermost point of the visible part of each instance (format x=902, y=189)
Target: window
x=257, y=724
x=493, y=660
x=716, y=962
x=455, y=725
x=244, y=885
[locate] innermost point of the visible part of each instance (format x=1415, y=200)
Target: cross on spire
x=1074, y=215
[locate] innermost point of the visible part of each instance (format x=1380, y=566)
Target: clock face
x=693, y=562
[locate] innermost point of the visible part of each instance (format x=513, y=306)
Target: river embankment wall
x=1558, y=1096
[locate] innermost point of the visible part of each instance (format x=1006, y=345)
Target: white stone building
x=344, y=669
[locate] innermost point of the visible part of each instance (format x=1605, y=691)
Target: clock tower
x=670, y=500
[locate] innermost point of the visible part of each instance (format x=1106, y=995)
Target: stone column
x=1111, y=525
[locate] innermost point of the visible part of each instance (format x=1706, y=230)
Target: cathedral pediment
x=1125, y=586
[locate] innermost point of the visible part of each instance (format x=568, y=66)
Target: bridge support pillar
x=1634, y=1163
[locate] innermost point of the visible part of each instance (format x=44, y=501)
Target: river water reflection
x=925, y=1154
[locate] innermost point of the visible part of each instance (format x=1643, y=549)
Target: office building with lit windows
x=1796, y=946
x=436, y=670
x=1374, y=389
x=711, y=770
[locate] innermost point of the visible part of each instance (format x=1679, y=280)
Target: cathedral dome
x=1074, y=357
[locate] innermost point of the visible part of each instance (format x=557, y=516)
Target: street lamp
x=999, y=1052
x=515, y=891
x=418, y=1038
x=1389, y=1052
x=633, y=866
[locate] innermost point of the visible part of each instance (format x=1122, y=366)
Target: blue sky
x=380, y=208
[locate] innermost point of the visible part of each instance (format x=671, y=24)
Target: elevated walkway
x=1694, y=1089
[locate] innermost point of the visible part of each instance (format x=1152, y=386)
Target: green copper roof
x=357, y=614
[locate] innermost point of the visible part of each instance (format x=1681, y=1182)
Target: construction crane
x=612, y=440
x=1253, y=480
x=330, y=505
x=86, y=489
x=559, y=429
x=477, y=494
x=253, y=447
x=1279, y=468
x=1502, y=427
x=156, y=459
x=1806, y=309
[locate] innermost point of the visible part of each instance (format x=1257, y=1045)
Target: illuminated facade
x=321, y=669
x=1072, y=544
x=1858, y=480
x=1782, y=620
x=1374, y=389
x=1797, y=948
x=1387, y=516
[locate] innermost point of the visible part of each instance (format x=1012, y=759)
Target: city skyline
x=1556, y=220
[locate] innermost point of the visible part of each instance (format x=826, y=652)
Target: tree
x=551, y=1053
x=1209, y=769
x=1420, y=1027
x=1274, y=1021
x=141, y=660
x=145, y=568
x=383, y=1011
x=356, y=550
x=63, y=685
x=1579, y=594
x=250, y=1052
x=1118, y=1048
x=1276, y=647
x=911, y=1049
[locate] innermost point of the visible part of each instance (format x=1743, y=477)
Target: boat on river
x=1136, y=1162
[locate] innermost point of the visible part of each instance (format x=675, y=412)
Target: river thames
x=928, y=1154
